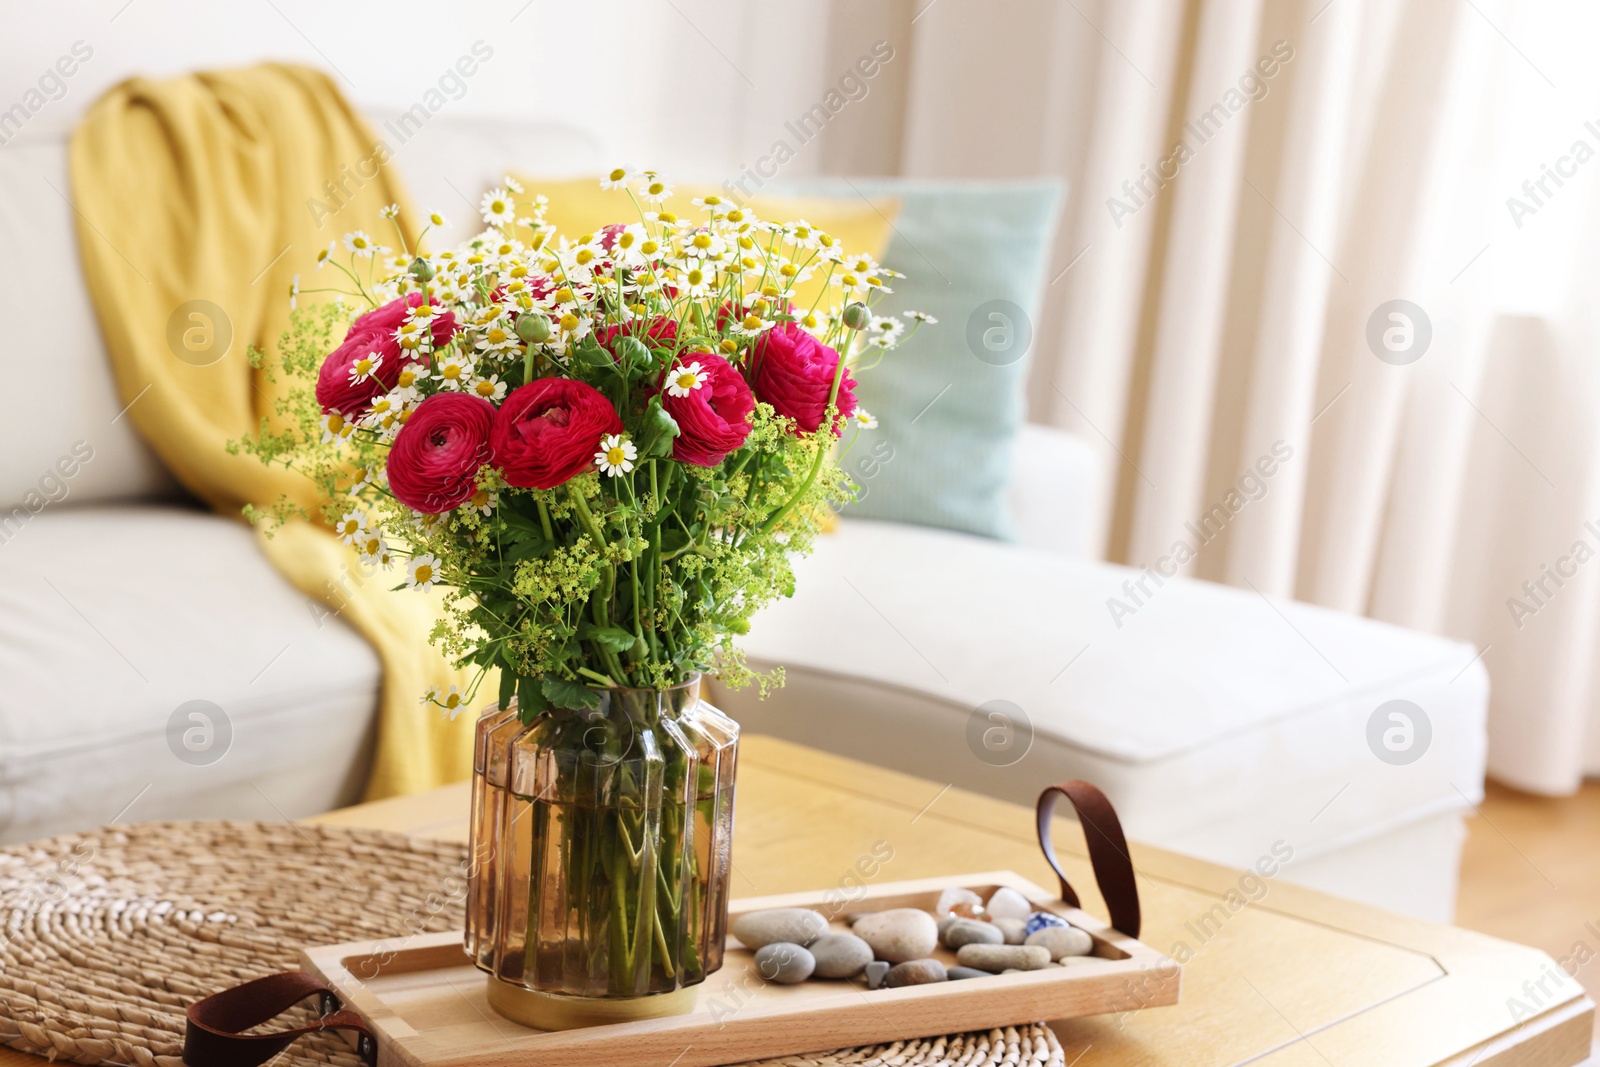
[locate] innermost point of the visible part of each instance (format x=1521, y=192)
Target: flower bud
x=533, y=328
x=856, y=316
x=421, y=270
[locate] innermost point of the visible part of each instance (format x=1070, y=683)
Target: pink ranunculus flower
x=661, y=332
x=433, y=464
x=371, y=350
x=546, y=432
x=793, y=371
x=712, y=405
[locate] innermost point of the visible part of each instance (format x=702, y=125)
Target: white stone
x=1007, y=903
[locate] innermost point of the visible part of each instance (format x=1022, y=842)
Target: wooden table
x=1293, y=979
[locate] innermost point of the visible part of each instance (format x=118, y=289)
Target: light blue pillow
x=950, y=403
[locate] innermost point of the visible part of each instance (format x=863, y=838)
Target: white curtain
x=1199, y=323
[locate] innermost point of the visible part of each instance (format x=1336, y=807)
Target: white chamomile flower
x=617, y=178
x=711, y=203
x=802, y=234
x=483, y=501
x=490, y=388
x=351, y=526
x=497, y=336
x=405, y=386
x=326, y=254
x=336, y=429
x=366, y=367
x=653, y=188
x=863, y=418
x=511, y=183
x=698, y=281
x=884, y=332
x=391, y=211
x=920, y=316
x=374, y=549
x=370, y=477
x=435, y=219
x=423, y=571
x=453, y=371
x=451, y=700
x=360, y=244
x=616, y=455
x=627, y=245
x=686, y=379
x=294, y=292
x=753, y=325
x=703, y=244
x=497, y=208
x=384, y=413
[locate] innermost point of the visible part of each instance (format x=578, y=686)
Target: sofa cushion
x=949, y=404
x=112, y=621
x=38, y=433
x=1219, y=721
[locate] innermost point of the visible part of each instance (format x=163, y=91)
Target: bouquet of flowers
x=606, y=446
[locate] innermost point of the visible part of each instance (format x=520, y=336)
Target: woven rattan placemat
x=106, y=937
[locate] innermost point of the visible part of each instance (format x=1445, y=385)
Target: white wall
x=691, y=86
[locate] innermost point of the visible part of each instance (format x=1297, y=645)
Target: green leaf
x=508, y=686
x=589, y=353
x=535, y=547
x=656, y=430
x=673, y=542
x=565, y=694
x=530, y=700
x=610, y=638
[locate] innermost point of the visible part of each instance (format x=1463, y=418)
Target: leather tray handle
x=215, y=1035
x=1108, y=850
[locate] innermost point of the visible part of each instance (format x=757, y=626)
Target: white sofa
x=1212, y=716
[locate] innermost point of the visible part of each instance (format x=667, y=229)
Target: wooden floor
x=1531, y=873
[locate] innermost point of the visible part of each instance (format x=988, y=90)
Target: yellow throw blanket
x=193, y=200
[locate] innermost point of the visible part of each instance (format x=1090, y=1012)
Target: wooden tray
x=427, y=1005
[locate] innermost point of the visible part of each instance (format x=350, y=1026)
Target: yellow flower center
x=486, y=389
x=407, y=376
x=497, y=336
x=424, y=573
x=696, y=277
x=564, y=295
x=615, y=456
x=363, y=367
x=687, y=380
x=617, y=175
x=656, y=188
x=497, y=207
x=335, y=421
x=702, y=240
x=480, y=498
x=451, y=371
x=650, y=248
x=569, y=321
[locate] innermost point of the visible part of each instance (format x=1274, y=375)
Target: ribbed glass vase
x=601, y=847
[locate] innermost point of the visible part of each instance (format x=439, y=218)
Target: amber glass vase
x=601, y=846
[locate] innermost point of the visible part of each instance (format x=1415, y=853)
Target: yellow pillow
x=579, y=206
